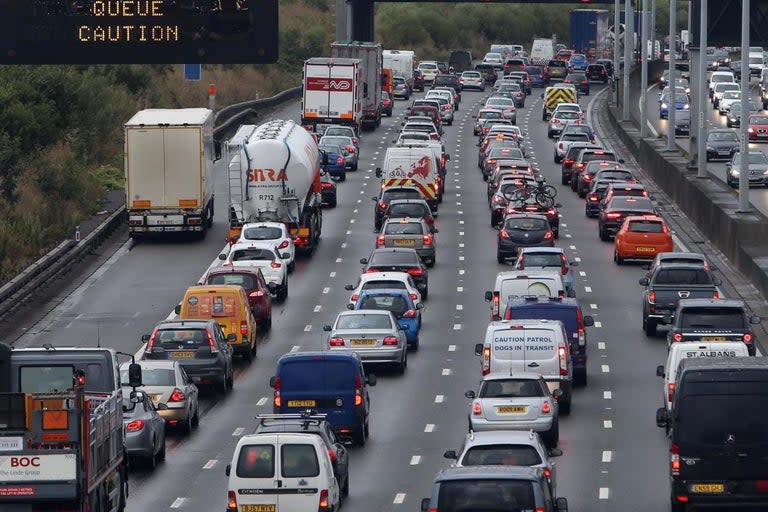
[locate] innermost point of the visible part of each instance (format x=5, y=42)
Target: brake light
x=580, y=166
x=336, y=342
x=593, y=197
x=678, y=336
x=211, y=343
x=497, y=199
x=547, y=472
x=380, y=241
x=355, y=140
x=485, y=363
x=231, y=501
x=504, y=234
x=411, y=313
x=390, y=340
x=563, y=265
x=340, y=160
x=477, y=409
x=151, y=342
x=134, y=426
x=283, y=244
x=670, y=391
x=674, y=460
x=546, y=408
x=567, y=162
x=324, y=503
x=548, y=235
x=434, y=136
x=560, y=145
x=562, y=354
x=332, y=455
x=371, y=270
x=747, y=337
x=715, y=294
x=416, y=272
x=243, y=327
x=358, y=391
x=587, y=177
x=429, y=219
x=651, y=297
x=613, y=215
x=491, y=161
x=177, y=396
x=350, y=149
x=354, y=297
x=276, y=264
x=495, y=306
x=277, y=400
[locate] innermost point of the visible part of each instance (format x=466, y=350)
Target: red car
x=256, y=288
x=758, y=128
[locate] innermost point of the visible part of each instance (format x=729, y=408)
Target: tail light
x=715, y=294
x=277, y=399
x=383, y=205
x=411, y=313
x=211, y=343
x=497, y=199
x=495, y=306
x=134, y=426
x=560, y=145
x=677, y=336
x=354, y=297
x=555, y=121
x=371, y=270
x=324, y=502
x=413, y=296
x=747, y=337
x=562, y=355
x=561, y=294
x=231, y=501
x=336, y=342
x=485, y=363
x=257, y=293
x=358, y=391
x=546, y=408
x=340, y=160
x=390, y=340
x=567, y=162
x=587, y=177
x=548, y=473
x=244, y=327
x=283, y=244
x=380, y=241
x=276, y=264
x=612, y=215
x=429, y=219
x=563, y=265
x=332, y=455
x=151, y=342
x=427, y=239
x=651, y=297
x=674, y=459
x=477, y=409
x=416, y=272
x=670, y=391
x=580, y=166
x=434, y=136
x=593, y=198
x=177, y=396
x=548, y=235
x=491, y=161
x=580, y=328
x=350, y=149
x=355, y=140
x=504, y=234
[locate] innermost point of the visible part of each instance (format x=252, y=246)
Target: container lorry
x=371, y=61
x=589, y=28
x=333, y=93
x=62, y=439
x=169, y=159
x=274, y=175
x=401, y=62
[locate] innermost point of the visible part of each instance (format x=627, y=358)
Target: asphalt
x=614, y=456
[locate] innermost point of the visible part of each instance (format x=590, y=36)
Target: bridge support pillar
x=362, y=20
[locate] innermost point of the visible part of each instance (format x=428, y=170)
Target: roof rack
x=307, y=416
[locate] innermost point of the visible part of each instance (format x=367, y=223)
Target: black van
x=460, y=60
x=719, y=433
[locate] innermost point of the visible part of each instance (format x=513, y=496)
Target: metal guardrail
x=59, y=260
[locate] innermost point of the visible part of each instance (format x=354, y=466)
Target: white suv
x=275, y=232
x=265, y=256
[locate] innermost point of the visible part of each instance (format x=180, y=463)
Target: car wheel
x=292, y=266
x=354, y=166
x=414, y=345
x=557, y=159
x=402, y=365
x=617, y=259
x=425, y=293
x=549, y=134
x=430, y=263
x=186, y=427
x=650, y=327
x=345, y=487
x=196, y=417
x=151, y=461
x=565, y=405
x=602, y=234
x=500, y=258
x=359, y=436
x=266, y=324
x=161, y=453
x=282, y=293
x=332, y=204
x=677, y=507
x=580, y=377
x=552, y=436
x=222, y=387
x=556, y=233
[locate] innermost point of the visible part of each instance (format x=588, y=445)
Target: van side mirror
x=327, y=328
x=228, y=469
x=470, y=394
x=554, y=452
x=216, y=150
x=222, y=256
x=588, y=321
x=145, y=337
x=134, y=375
x=488, y=296
x=754, y=320
x=662, y=418
x=370, y=379
x=425, y=504
x=447, y=156
x=272, y=380
x=478, y=349
x=660, y=371
x=644, y=281
x=378, y=172
x=177, y=309
x=450, y=454
x=621, y=160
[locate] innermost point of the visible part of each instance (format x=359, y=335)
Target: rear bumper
x=374, y=355
x=537, y=425
x=201, y=372
x=512, y=248
x=734, y=494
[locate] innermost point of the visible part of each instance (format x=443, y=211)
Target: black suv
x=310, y=422
x=597, y=73
x=399, y=260
x=451, y=81
x=387, y=195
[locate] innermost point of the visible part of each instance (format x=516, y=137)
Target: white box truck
x=401, y=64
x=169, y=157
x=333, y=92
x=371, y=60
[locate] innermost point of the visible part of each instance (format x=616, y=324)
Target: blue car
x=400, y=303
x=336, y=165
x=681, y=103
x=578, y=62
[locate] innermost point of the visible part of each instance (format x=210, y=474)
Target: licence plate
x=708, y=488
x=646, y=249
x=258, y=508
x=403, y=242
x=366, y=343
x=512, y=409
x=302, y=403
x=154, y=397
x=724, y=153
x=182, y=354
x=713, y=338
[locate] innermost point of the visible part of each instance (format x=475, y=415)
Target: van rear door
x=255, y=479
x=300, y=475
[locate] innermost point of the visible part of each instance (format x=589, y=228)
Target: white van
x=691, y=349
x=538, y=346
x=522, y=283
x=281, y=472
x=413, y=166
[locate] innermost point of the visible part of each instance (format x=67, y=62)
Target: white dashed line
x=415, y=460
x=456, y=327
x=459, y=307
x=607, y=395
x=461, y=246
x=607, y=424
x=588, y=289
x=605, y=368
x=598, y=324
x=307, y=328
x=295, y=348
x=451, y=348
x=577, y=259
x=593, y=306
x=338, y=260
x=459, y=289
x=351, y=221
x=238, y=432
x=349, y=231
x=430, y=427
x=460, y=212
x=461, y=233
x=604, y=493
x=446, y=372
x=461, y=258
x=568, y=235
x=573, y=247
x=210, y=464
x=439, y=399
x=607, y=455
x=318, y=308
x=461, y=272
x=343, y=245
x=332, y=274
x=262, y=401
x=582, y=273
x=178, y=502
x=326, y=290
x=601, y=345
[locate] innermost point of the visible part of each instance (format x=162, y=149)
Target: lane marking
x=588, y=289
x=459, y=289
x=607, y=395
x=461, y=245
x=582, y=273
x=238, y=432
x=262, y=401
x=399, y=498
x=451, y=348
x=333, y=274
x=577, y=259
x=318, y=308
x=439, y=399
x=210, y=464
x=598, y=323
x=178, y=502
x=349, y=232
x=326, y=290
x=295, y=348
x=415, y=460
x=307, y=327
x=430, y=427
x=459, y=307
x=461, y=258
x=338, y=260
x=605, y=368
x=573, y=247
x=461, y=272
x=604, y=491
x=446, y=371
x=593, y=306
x=607, y=424
x=461, y=233
x=456, y=327
x=344, y=245
x=607, y=455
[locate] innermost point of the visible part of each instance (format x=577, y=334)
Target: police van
x=691, y=349
x=538, y=346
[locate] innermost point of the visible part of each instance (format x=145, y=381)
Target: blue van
x=569, y=313
x=328, y=383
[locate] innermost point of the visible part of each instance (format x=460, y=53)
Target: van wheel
x=650, y=327
x=360, y=436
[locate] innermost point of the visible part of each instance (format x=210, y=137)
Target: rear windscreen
x=299, y=461
x=485, y=496
x=394, y=303
x=542, y=260
x=522, y=287
x=565, y=315
x=364, y=321
x=682, y=276
x=253, y=255
x=588, y=157
x=262, y=233
x=380, y=285
x=511, y=388
x=403, y=228
x=317, y=375
x=502, y=454
x=712, y=318
x=394, y=258
x=171, y=339
x=646, y=226
x=256, y=461
x=400, y=194
x=153, y=376
x=406, y=210
x=244, y=280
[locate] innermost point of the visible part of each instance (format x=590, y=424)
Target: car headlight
x=710, y=148
x=663, y=105
x=686, y=106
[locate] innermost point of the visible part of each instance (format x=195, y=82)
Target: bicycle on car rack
x=543, y=194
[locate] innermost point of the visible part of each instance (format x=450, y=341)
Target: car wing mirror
x=177, y=309
x=349, y=287
x=420, y=306
x=478, y=349
x=327, y=328
x=364, y=261
x=470, y=394
x=272, y=381
x=350, y=306
x=660, y=371
x=488, y=296
x=450, y=454
x=425, y=504
x=644, y=281
x=145, y=337
x=573, y=263
x=228, y=469
x=554, y=452
x=588, y=321
x=716, y=281
x=754, y=320
x=662, y=418
x=134, y=375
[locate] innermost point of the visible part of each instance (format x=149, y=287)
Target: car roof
x=488, y=472
x=317, y=355
x=353, y=312
x=672, y=254
x=180, y=324
x=526, y=214
x=499, y=437
x=384, y=276
x=153, y=363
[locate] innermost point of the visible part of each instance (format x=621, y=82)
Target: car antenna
x=98, y=333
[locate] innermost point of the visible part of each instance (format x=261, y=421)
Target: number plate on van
x=258, y=508
x=302, y=403
x=713, y=338
x=707, y=488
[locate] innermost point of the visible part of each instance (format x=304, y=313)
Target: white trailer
x=333, y=92
x=169, y=157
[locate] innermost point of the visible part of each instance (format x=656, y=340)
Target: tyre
x=359, y=436
x=650, y=325
x=500, y=258
x=403, y=365
x=564, y=180
x=580, y=377
x=196, y=417
x=248, y=355
x=565, y=404
x=557, y=159
x=617, y=259
x=414, y=345
x=602, y=234
x=292, y=266
x=430, y=263
x=556, y=233
x=343, y=176
x=354, y=166
x=282, y=293
x=230, y=380
x=677, y=507
x=209, y=219
x=186, y=426
x=332, y=204
x=221, y=387
x=345, y=488
x=549, y=134
x=552, y=436
x=266, y=325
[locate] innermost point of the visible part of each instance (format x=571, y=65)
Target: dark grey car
x=144, y=429
x=722, y=144
x=757, y=165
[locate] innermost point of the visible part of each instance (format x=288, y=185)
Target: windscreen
x=316, y=375
x=526, y=224
x=471, y=74
x=328, y=148
x=511, y=388
x=502, y=454
x=246, y=281
x=567, y=114
x=262, y=233
x=486, y=496
x=46, y=379
x=406, y=210
x=364, y=321
x=256, y=461
x=403, y=228
x=724, y=136
x=511, y=153
x=153, y=376
x=299, y=461
x=181, y=338
x=394, y=303
x=712, y=318
x=583, y=137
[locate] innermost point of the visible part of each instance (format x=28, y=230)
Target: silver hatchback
x=374, y=335
x=520, y=401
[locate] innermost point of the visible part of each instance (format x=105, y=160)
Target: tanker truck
x=274, y=176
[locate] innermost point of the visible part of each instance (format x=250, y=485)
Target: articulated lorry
x=333, y=93
x=372, y=62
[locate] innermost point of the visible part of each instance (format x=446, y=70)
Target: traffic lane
x=137, y=286
x=757, y=196
x=387, y=420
